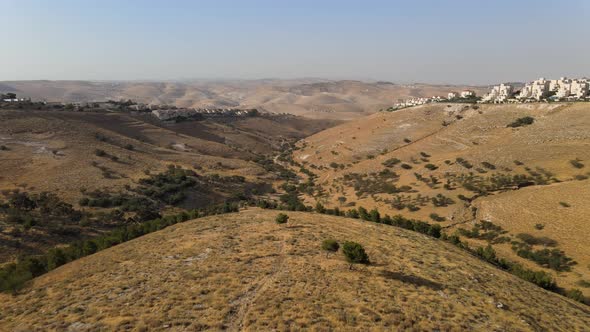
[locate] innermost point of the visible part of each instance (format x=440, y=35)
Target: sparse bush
x=355, y=253
x=575, y=294
x=3, y=148
x=282, y=218
x=488, y=165
x=463, y=163
x=436, y=217
x=533, y=240
x=539, y=226
x=391, y=162
x=330, y=245
x=518, y=163
x=554, y=259
x=524, y=121
x=576, y=163
x=100, y=153
x=564, y=204
x=406, y=166
x=441, y=200
x=129, y=147
x=431, y=167
x=407, y=140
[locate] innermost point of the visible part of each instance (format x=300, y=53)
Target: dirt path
x=245, y=302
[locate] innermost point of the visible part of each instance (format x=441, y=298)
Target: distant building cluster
x=193, y=113
x=11, y=98
x=562, y=89
x=464, y=95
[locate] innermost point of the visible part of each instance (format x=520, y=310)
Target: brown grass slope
x=245, y=272
x=55, y=151
x=560, y=134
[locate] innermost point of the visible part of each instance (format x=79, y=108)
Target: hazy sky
x=454, y=41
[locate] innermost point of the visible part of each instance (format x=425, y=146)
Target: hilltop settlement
x=540, y=90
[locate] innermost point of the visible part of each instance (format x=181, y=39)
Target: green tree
x=55, y=258
x=319, y=208
x=364, y=214
x=281, y=218
x=355, y=253
x=375, y=216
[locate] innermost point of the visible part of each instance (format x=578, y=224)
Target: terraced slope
x=245, y=272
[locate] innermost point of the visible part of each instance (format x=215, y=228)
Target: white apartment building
x=579, y=88
x=452, y=95
x=499, y=94
x=561, y=88
x=467, y=94
x=536, y=90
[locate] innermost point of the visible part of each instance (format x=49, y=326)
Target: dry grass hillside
x=459, y=164
x=314, y=98
x=56, y=151
x=104, y=159
x=244, y=271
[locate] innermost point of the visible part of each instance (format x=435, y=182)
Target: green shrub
x=533, y=240
x=406, y=166
x=355, y=253
x=330, y=245
x=282, y=218
x=575, y=294
x=431, y=167
x=436, y=217
x=488, y=165
x=524, y=121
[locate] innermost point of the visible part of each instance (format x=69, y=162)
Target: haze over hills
x=475, y=213
x=314, y=98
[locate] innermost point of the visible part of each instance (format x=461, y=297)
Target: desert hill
x=459, y=165
x=102, y=159
x=314, y=98
x=243, y=271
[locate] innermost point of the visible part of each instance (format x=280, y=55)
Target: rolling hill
x=313, y=98
x=102, y=159
x=243, y=271
x=521, y=189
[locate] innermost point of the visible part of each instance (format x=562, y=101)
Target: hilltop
x=484, y=172
x=243, y=271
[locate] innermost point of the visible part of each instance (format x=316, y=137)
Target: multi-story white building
x=467, y=94
x=579, y=88
x=536, y=90
x=499, y=94
x=561, y=88
x=452, y=95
